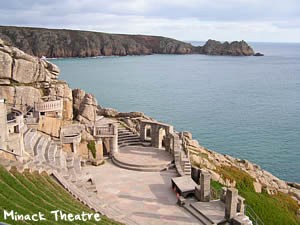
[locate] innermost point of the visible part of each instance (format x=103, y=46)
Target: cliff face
x=70, y=43
x=24, y=79
x=236, y=48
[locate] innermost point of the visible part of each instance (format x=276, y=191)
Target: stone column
x=241, y=205
x=114, y=141
x=3, y=125
x=99, y=149
x=204, y=186
x=155, y=136
x=143, y=131
x=223, y=194
x=231, y=203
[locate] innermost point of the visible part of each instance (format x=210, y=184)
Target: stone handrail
x=17, y=117
x=12, y=153
x=56, y=105
x=109, y=130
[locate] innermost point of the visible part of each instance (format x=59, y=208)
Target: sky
x=187, y=20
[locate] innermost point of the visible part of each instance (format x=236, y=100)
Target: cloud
x=186, y=20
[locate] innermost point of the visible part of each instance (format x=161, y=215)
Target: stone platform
x=185, y=185
x=141, y=158
x=213, y=211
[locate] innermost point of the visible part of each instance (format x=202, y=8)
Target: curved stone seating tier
x=140, y=158
x=49, y=157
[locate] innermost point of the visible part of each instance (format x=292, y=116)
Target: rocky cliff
x=54, y=43
x=25, y=79
x=236, y=48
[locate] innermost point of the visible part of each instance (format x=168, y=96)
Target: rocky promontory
x=53, y=43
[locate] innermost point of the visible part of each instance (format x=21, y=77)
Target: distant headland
x=62, y=43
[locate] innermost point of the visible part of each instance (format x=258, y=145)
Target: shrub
x=92, y=147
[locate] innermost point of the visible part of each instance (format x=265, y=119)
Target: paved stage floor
x=143, y=156
x=145, y=197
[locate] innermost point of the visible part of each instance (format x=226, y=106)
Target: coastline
x=80, y=110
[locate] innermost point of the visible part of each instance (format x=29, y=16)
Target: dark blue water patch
x=248, y=107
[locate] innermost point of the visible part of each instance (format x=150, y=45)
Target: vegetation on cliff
x=272, y=209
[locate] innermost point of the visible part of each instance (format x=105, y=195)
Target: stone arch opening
x=106, y=147
x=162, y=138
x=148, y=132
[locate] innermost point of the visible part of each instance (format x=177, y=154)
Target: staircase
x=127, y=137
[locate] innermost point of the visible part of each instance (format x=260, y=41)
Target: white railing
x=253, y=216
x=56, y=105
x=104, y=130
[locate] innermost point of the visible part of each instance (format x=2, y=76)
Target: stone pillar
x=99, y=149
x=241, y=205
x=204, y=186
x=196, y=174
x=114, y=141
x=155, y=136
x=143, y=131
x=3, y=125
x=223, y=194
x=231, y=203
x=198, y=192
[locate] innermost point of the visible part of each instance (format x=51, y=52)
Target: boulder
x=108, y=112
x=258, y=54
x=84, y=106
x=187, y=134
x=5, y=65
x=257, y=187
x=130, y=114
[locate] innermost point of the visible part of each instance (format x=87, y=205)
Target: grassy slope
x=278, y=209
x=31, y=193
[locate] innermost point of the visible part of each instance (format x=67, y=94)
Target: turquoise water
x=248, y=107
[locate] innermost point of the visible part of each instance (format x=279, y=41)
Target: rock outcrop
x=25, y=79
x=54, y=43
x=85, y=106
x=236, y=48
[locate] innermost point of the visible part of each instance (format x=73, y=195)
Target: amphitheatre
x=126, y=166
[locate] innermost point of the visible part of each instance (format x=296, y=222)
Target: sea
x=247, y=107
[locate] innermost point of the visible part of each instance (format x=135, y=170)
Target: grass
x=122, y=125
x=278, y=209
x=30, y=193
x=92, y=147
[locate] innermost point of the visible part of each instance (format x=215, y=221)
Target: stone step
x=41, y=148
x=206, y=219
x=130, y=141
x=138, y=168
x=164, y=165
x=130, y=144
x=126, y=135
x=128, y=138
x=202, y=220
x=52, y=152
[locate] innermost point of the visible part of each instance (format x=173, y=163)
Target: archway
x=162, y=138
x=148, y=132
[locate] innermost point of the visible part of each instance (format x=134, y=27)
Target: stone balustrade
x=108, y=130
x=49, y=106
